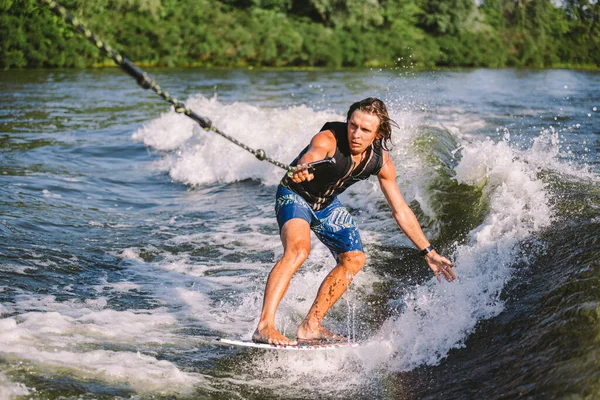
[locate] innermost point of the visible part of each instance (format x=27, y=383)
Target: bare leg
x=295, y=236
x=332, y=288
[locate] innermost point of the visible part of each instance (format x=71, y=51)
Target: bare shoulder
x=388, y=170
x=324, y=140
x=325, y=136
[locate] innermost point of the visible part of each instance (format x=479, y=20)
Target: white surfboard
x=298, y=347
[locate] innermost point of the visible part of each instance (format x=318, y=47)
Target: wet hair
x=374, y=106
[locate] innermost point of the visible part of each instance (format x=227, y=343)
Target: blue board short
x=333, y=225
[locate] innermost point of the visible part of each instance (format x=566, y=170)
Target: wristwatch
x=426, y=250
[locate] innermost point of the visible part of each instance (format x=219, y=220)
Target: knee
x=297, y=253
x=353, y=262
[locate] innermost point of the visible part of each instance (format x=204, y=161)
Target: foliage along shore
x=307, y=33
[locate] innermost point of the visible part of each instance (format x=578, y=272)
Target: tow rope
x=145, y=81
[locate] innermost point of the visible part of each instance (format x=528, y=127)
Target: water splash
x=197, y=157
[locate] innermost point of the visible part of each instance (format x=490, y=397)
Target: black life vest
x=331, y=180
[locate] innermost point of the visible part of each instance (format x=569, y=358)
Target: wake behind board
x=298, y=347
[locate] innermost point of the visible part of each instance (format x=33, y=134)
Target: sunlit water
x=130, y=239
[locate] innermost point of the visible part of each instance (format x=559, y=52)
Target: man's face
x=362, y=131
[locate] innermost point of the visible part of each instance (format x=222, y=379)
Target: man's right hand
x=302, y=173
x=322, y=145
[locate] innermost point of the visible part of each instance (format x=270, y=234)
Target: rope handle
x=146, y=82
x=313, y=165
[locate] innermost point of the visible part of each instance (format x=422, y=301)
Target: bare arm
x=321, y=146
x=407, y=221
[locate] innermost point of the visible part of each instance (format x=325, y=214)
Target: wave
x=195, y=157
x=439, y=317
x=483, y=200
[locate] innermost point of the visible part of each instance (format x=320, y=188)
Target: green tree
x=533, y=30
x=582, y=44
x=405, y=40
x=306, y=32
x=446, y=17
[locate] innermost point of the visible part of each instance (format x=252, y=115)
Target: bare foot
x=271, y=336
x=306, y=333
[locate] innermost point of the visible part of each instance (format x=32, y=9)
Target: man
x=308, y=200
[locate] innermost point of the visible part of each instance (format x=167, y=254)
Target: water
x=130, y=238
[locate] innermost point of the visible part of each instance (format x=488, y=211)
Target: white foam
x=199, y=157
x=49, y=194
x=186, y=287
x=117, y=287
x=545, y=155
x=11, y=390
x=131, y=254
x=17, y=269
x=71, y=335
x=439, y=317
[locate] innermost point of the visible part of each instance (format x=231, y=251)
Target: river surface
x=130, y=238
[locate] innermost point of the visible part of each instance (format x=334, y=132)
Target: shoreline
x=148, y=66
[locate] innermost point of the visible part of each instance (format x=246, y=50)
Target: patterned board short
x=333, y=225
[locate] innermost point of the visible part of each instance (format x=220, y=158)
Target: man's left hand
x=440, y=266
